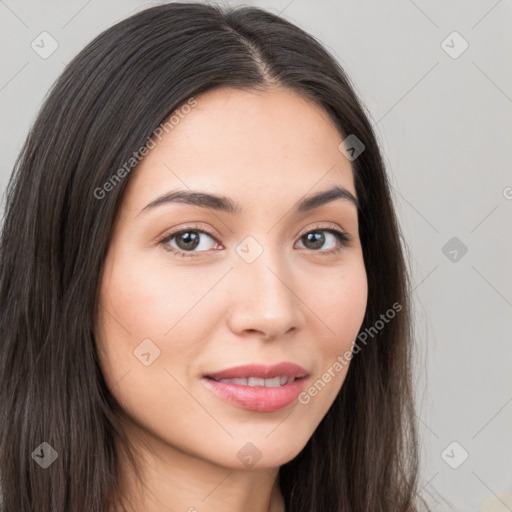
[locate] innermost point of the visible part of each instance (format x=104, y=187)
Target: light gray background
x=445, y=127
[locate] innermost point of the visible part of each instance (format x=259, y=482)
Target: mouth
x=257, y=387
x=253, y=382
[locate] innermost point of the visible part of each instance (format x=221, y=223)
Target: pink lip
x=259, y=398
x=262, y=371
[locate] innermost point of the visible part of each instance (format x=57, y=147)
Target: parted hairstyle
x=363, y=456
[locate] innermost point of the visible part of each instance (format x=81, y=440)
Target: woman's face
x=269, y=284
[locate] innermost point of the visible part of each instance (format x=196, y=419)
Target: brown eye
x=316, y=240
x=185, y=241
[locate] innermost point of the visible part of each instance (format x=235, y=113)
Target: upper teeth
x=256, y=381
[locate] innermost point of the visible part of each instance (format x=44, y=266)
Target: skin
x=265, y=150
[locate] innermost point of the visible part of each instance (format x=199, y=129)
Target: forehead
x=246, y=144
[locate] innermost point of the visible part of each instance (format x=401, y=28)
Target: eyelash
x=343, y=239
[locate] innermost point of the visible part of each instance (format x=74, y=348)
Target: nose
x=264, y=299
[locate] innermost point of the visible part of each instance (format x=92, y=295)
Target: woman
x=204, y=298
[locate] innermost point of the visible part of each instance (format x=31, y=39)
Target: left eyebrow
x=225, y=204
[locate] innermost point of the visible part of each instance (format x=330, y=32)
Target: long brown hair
x=103, y=108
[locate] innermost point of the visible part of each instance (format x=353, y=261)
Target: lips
x=258, y=387
x=260, y=371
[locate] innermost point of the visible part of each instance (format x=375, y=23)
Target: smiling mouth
x=253, y=382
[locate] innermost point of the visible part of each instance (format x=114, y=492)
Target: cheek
x=144, y=311
x=143, y=298
x=351, y=307
x=149, y=297
x=341, y=305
